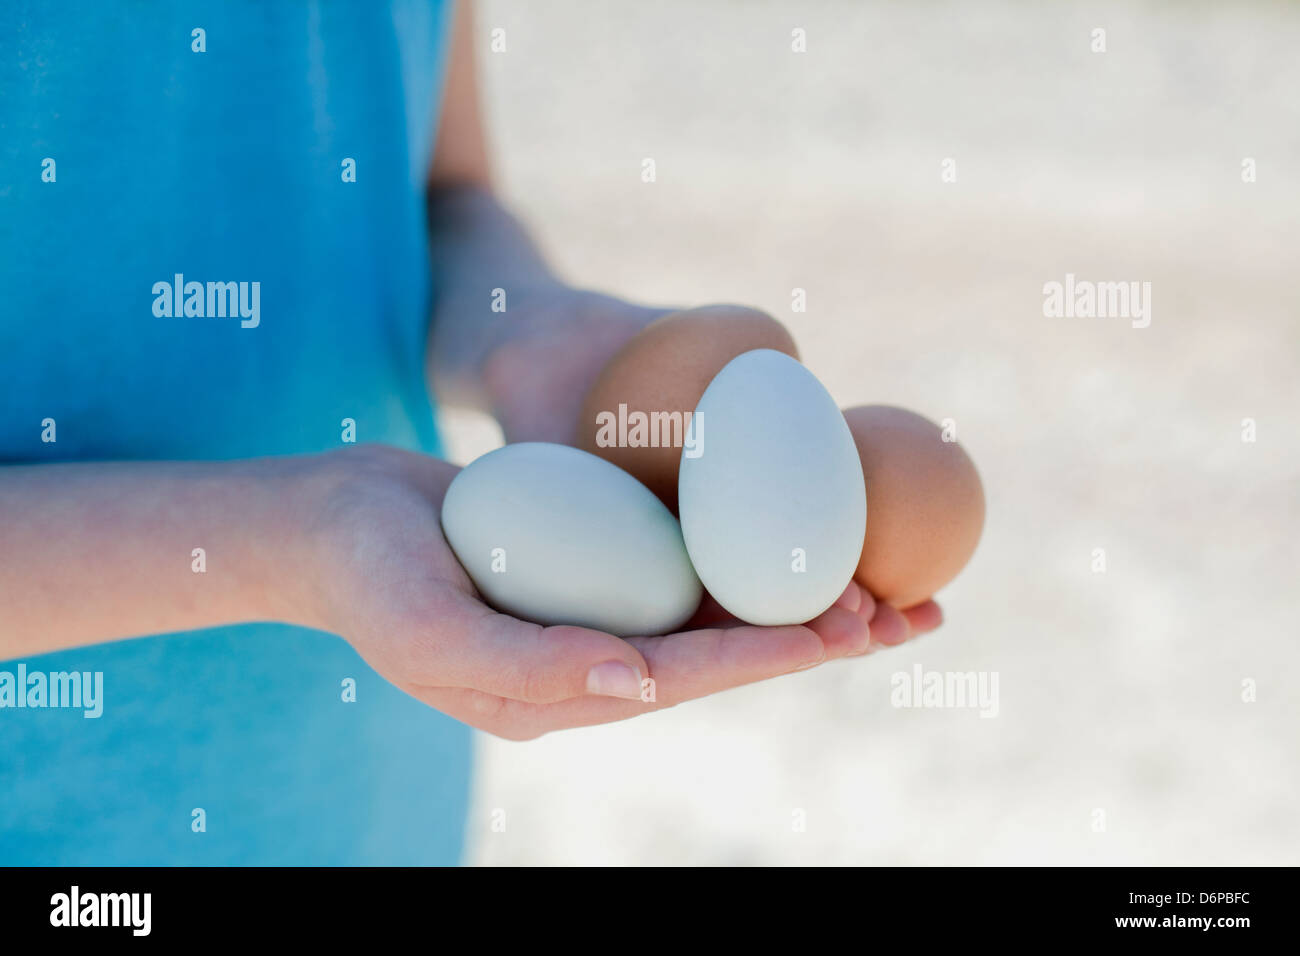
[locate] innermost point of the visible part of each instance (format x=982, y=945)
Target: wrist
x=283, y=519
x=329, y=516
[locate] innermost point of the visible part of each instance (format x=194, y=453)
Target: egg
x=926, y=504
x=773, y=505
x=637, y=412
x=554, y=535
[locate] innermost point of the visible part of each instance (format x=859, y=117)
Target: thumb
x=505, y=656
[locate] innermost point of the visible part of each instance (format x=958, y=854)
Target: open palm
x=393, y=588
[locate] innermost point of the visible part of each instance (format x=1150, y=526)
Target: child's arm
x=528, y=352
x=348, y=542
x=99, y=551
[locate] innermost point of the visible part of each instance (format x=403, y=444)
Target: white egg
x=555, y=535
x=774, y=507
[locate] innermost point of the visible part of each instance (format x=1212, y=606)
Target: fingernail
x=851, y=599
x=614, y=679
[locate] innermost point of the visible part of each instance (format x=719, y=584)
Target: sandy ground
x=1119, y=692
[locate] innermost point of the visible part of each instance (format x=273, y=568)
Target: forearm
x=100, y=551
x=477, y=247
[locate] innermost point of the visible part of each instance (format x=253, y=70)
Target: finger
x=889, y=627
x=694, y=664
x=698, y=663
x=851, y=599
x=682, y=667
x=842, y=627
x=501, y=655
x=844, y=633
x=865, y=610
x=867, y=607
x=923, y=617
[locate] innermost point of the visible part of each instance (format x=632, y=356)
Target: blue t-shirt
x=275, y=156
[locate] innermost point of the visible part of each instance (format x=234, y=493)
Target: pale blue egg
x=772, y=500
x=555, y=535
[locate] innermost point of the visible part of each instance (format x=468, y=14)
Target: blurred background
x=1126, y=732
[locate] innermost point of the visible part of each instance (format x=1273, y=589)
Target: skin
x=349, y=542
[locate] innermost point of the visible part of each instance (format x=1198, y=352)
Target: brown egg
x=925, y=504
x=658, y=378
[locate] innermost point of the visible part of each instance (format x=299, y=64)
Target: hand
x=888, y=626
x=539, y=377
x=561, y=338
x=390, y=585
